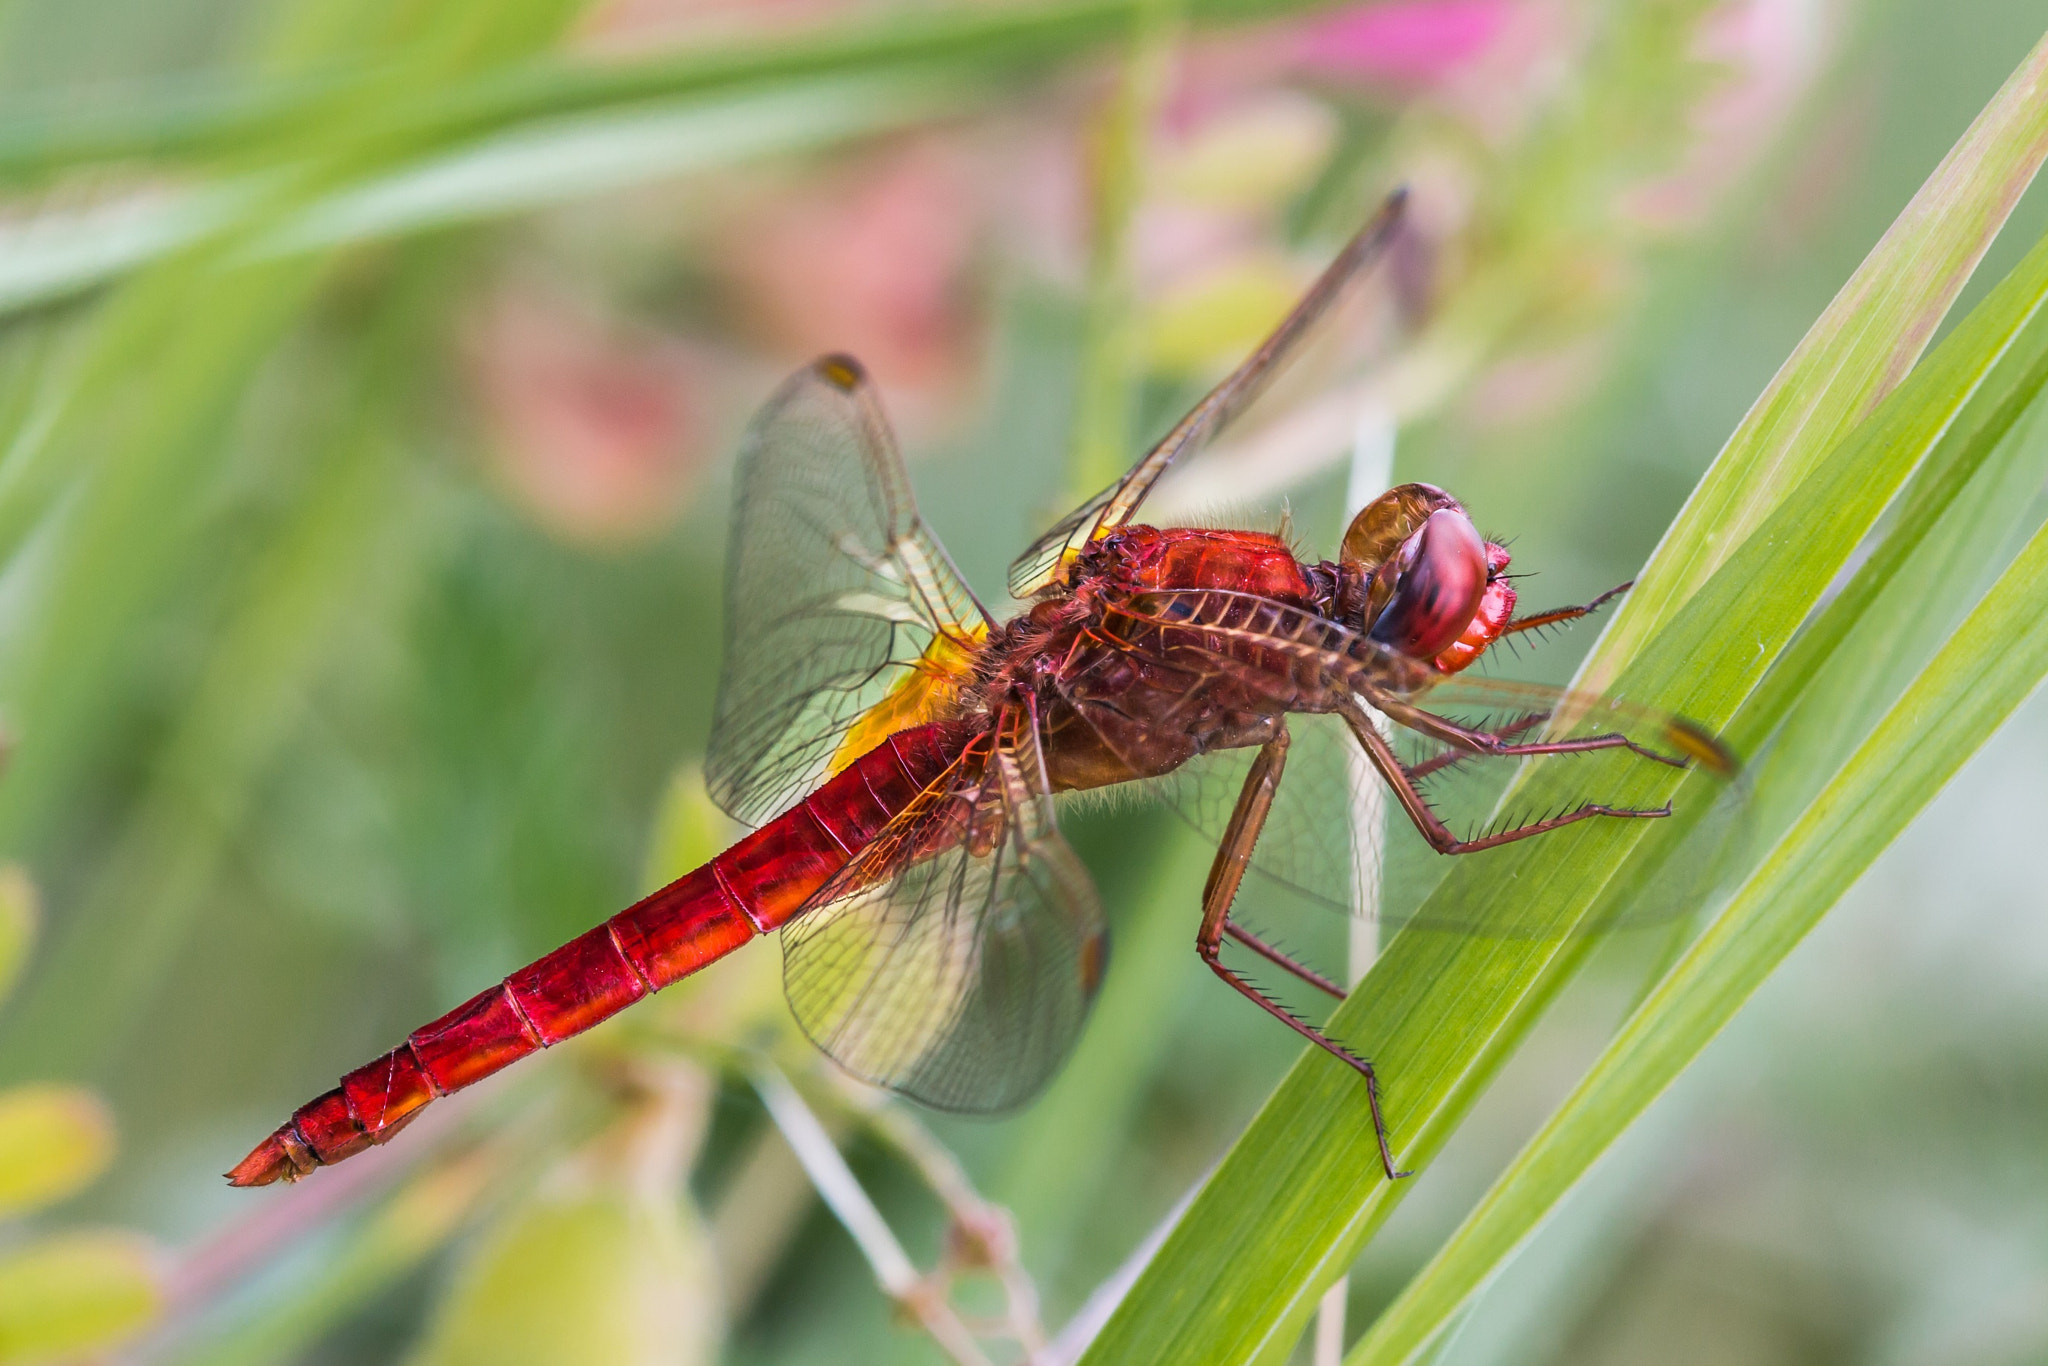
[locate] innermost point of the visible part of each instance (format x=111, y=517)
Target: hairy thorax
x=1116, y=700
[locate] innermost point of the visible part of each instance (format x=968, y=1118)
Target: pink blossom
x=593, y=428
x=869, y=259
x=1411, y=40
x=1771, y=51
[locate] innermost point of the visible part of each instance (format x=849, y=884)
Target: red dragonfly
x=898, y=751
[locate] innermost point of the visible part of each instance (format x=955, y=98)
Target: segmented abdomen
x=748, y=890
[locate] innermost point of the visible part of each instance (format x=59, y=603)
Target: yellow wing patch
x=926, y=693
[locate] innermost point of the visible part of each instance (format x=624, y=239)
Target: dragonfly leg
x=1280, y=959
x=1495, y=746
x=1452, y=756
x=1539, y=620
x=1440, y=836
x=1235, y=852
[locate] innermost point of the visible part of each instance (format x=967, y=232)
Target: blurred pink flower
x=1412, y=41
x=1401, y=49
x=593, y=427
x=1771, y=51
x=632, y=27
x=870, y=259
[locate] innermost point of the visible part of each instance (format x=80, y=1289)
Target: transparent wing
x=1336, y=837
x=1323, y=845
x=840, y=605
x=956, y=958
x=1041, y=562
x=1111, y=508
x=1308, y=662
x=1337, y=843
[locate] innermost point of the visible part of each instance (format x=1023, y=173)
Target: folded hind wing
x=955, y=959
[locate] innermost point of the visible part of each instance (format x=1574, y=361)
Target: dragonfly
x=898, y=752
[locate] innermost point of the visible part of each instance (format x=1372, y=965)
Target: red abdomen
x=748, y=890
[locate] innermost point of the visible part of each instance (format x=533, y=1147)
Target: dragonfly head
x=1434, y=588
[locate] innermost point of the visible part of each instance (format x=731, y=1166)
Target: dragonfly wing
x=840, y=605
x=1111, y=508
x=956, y=958
x=1042, y=562
x=1323, y=840
x=1336, y=840
x=1318, y=845
x=1312, y=659
x=1536, y=712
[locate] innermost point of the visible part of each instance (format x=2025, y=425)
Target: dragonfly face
x=1436, y=590
x=1439, y=576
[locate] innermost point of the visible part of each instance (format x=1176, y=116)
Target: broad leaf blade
x=1292, y=1204
x=1859, y=350
x=1990, y=666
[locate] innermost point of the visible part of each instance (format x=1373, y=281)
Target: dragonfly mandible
x=898, y=751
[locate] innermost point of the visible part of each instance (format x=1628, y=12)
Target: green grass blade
x=1993, y=662
x=160, y=122
x=1963, y=400
x=523, y=134
x=532, y=167
x=1297, y=1197
x=1103, y=409
x=57, y=255
x=1864, y=344
x=180, y=123
x=2017, y=378
x=156, y=877
x=566, y=159
x=1940, y=533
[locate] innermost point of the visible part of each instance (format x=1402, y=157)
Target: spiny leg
x=1452, y=756
x=1557, y=614
x=1494, y=746
x=1225, y=874
x=1279, y=958
x=1440, y=836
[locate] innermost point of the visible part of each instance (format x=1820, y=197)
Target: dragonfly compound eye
x=1439, y=578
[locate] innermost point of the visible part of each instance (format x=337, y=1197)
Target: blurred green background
x=369, y=382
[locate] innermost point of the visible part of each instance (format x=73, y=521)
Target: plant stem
x=1100, y=449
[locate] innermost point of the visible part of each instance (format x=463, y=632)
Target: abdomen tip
x=271, y=1160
